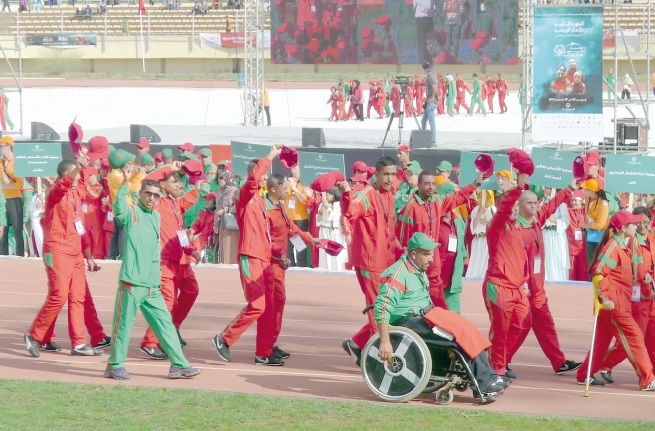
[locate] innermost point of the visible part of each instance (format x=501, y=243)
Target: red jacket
x=576, y=218
x=282, y=228
x=171, y=211
x=94, y=214
x=63, y=205
x=507, y=257
x=204, y=224
x=254, y=235
x=614, y=263
x=446, y=228
x=371, y=214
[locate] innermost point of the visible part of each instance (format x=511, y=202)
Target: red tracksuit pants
x=179, y=288
x=278, y=299
x=644, y=314
x=501, y=101
x=578, y=271
x=369, y=281
x=334, y=114
x=66, y=283
x=490, y=102
x=461, y=101
x=255, y=280
x=509, y=313
x=544, y=330
x=435, y=286
x=622, y=326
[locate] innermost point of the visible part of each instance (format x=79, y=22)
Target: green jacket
x=456, y=281
x=191, y=215
x=403, y=292
x=142, y=256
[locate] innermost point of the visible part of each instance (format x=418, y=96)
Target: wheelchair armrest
x=367, y=309
x=442, y=333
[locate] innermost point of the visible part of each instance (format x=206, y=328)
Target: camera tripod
x=401, y=117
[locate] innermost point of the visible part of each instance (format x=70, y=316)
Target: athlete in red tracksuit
x=576, y=239
x=63, y=226
x=530, y=223
x=643, y=309
x=501, y=87
x=505, y=288
x=203, y=227
x=460, y=96
x=409, y=99
x=282, y=228
x=395, y=99
x=179, y=286
x=372, y=92
x=254, y=266
x=491, y=92
x=441, y=94
x=613, y=261
x=94, y=216
x=419, y=94
x=374, y=243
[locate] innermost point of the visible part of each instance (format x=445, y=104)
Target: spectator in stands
x=5, y=5
x=38, y=5
x=79, y=14
x=22, y=6
x=228, y=24
x=102, y=7
x=125, y=26
x=197, y=9
x=88, y=12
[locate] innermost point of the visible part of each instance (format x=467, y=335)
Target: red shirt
x=204, y=224
x=63, y=205
x=171, y=211
x=282, y=228
x=643, y=249
x=576, y=217
x=371, y=213
x=254, y=235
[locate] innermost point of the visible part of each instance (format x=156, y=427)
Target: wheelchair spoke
x=409, y=375
x=403, y=346
x=386, y=384
x=373, y=353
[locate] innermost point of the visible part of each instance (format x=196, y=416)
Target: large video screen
x=394, y=31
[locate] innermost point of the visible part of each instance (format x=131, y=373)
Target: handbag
x=229, y=222
x=594, y=235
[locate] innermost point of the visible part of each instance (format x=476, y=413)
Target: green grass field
x=28, y=405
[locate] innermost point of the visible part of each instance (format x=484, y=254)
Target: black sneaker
x=607, y=376
x=593, y=381
x=86, y=350
x=354, y=351
x=50, y=347
x=272, y=360
x=105, y=342
x=495, y=388
x=117, y=374
x=31, y=345
x=182, y=342
x=509, y=373
x=279, y=353
x=183, y=373
x=155, y=353
x=569, y=366
x=222, y=348
x=506, y=380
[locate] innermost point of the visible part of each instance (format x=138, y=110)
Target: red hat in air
x=325, y=182
x=521, y=161
x=579, y=169
x=332, y=248
x=485, y=164
x=288, y=157
x=160, y=174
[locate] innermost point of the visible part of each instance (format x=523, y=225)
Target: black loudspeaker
x=312, y=137
x=139, y=131
x=43, y=132
x=421, y=139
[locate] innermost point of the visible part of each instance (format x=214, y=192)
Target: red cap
x=592, y=158
x=405, y=148
x=158, y=157
x=75, y=136
x=485, y=164
x=325, y=182
x=288, y=157
x=458, y=74
x=332, y=248
x=186, y=146
x=371, y=171
x=193, y=167
x=521, y=161
x=211, y=195
x=579, y=169
x=500, y=74
x=623, y=217
x=359, y=166
x=359, y=178
x=98, y=148
x=160, y=174
x=456, y=168
x=578, y=194
x=143, y=144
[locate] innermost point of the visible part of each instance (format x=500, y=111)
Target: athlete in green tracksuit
x=450, y=97
x=476, y=97
x=139, y=279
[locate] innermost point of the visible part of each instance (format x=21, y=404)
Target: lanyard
x=429, y=206
x=535, y=237
x=262, y=208
x=284, y=214
x=385, y=211
x=177, y=215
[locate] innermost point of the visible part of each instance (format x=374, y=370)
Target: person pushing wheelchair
x=404, y=296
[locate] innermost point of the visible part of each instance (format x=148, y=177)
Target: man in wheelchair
x=404, y=300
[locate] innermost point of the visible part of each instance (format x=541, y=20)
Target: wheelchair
x=432, y=365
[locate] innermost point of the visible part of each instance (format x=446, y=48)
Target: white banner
x=228, y=40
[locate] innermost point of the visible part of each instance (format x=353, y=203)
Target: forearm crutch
x=597, y=307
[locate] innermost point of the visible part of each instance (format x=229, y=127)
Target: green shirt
x=142, y=256
x=403, y=292
x=456, y=282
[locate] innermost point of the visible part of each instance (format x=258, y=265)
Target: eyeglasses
x=151, y=195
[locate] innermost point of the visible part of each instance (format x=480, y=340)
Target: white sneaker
x=650, y=387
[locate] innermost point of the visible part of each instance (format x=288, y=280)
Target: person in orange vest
x=12, y=187
x=374, y=242
x=63, y=228
x=614, y=264
x=254, y=264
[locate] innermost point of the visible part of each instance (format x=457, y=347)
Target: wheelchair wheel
x=444, y=396
x=406, y=374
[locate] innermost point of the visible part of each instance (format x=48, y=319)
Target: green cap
x=223, y=163
x=189, y=157
x=414, y=167
x=111, y=149
x=119, y=158
x=422, y=241
x=166, y=153
x=446, y=189
x=206, y=152
x=445, y=166
x=147, y=159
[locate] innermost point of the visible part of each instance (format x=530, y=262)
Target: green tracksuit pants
x=129, y=299
x=453, y=299
x=477, y=101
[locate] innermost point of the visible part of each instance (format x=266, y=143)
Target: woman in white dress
x=37, y=208
x=556, y=245
x=480, y=218
x=328, y=219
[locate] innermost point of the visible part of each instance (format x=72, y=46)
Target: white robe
x=479, y=250
x=556, y=246
x=37, y=230
x=330, y=228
